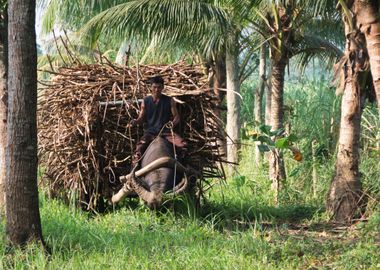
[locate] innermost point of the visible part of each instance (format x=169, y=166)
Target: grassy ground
x=237, y=233
x=237, y=227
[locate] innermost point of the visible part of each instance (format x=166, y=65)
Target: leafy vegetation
x=312, y=115
x=240, y=233
x=243, y=223
x=238, y=226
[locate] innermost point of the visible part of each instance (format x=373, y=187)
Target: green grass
x=238, y=226
x=239, y=233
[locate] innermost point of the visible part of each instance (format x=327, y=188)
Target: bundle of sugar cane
x=85, y=143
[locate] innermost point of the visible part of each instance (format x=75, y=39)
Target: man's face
x=157, y=90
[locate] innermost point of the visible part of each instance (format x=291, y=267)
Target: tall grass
x=312, y=113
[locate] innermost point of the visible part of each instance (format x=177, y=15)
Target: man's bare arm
x=140, y=119
x=175, y=113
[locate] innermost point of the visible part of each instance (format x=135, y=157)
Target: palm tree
x=118, y=21
x=213, y=28
x=207, y=27
x=284, y=24
x=3, y=99
x=368, y=21
x=22, y=209
x=259, y=95
x=63, y=18
x=233, y=102
x=345, y=198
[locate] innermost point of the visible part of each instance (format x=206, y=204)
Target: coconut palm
x=22, y=210
x=203, y=26
x=3, y=98
x=345, y=197
x=368, y=22
x=61, y=19
x=284, y=25
x=141, y=21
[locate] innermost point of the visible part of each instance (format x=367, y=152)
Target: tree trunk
x=259, y=97
x=345, y=193
x=233, y=106
x=218, y=83
x=268, y=98
x=268, y=101
x=23, y=216
x=122, y=56
x=3, y=107
x=368, y=21
x=314, y=173
x=276, y=163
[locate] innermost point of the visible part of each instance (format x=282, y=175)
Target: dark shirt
x=157, y=115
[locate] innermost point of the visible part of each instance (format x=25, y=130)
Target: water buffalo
x=159, y=173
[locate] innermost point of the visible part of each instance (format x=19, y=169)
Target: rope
x=158, y=135
x=170, y=125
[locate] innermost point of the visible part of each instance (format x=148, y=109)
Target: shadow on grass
x=140, y=229
x=230, y=215
x=242, y=216
x=239, y=215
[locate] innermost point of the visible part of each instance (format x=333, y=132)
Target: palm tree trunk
x=276, y=163
x=259, y=97
x=22, y=209
x=268, y=102
x=219, y=80
x=345, y=193
x=218, y=83
x=122, y=55
x=233, y=105
x=3, y=110
x=277, y=98
x=314, y=173
x=368, y=19
x=268, y=98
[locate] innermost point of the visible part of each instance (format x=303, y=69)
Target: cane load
x=85, y=142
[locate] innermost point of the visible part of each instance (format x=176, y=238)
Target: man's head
x=157, y=86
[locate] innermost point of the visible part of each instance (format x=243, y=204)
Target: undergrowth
x=237, y=233
x=238, y=226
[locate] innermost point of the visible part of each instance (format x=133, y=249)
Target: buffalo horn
x=139, y=189
x=124, y=191
x=143, y=193
x=158, y=163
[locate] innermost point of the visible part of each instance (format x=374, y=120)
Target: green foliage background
x=238, y=226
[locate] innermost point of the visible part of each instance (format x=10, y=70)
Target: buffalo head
x=159, y=173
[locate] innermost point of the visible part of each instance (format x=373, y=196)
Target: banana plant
x=274, y=139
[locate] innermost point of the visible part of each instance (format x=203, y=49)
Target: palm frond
x=49, y=17
x=176, y=22
x=311, y=46
x=71, y=14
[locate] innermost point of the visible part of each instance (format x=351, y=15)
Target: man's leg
x=141, y=146
x=178, y=142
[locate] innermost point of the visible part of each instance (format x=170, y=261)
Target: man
x=157, y=111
